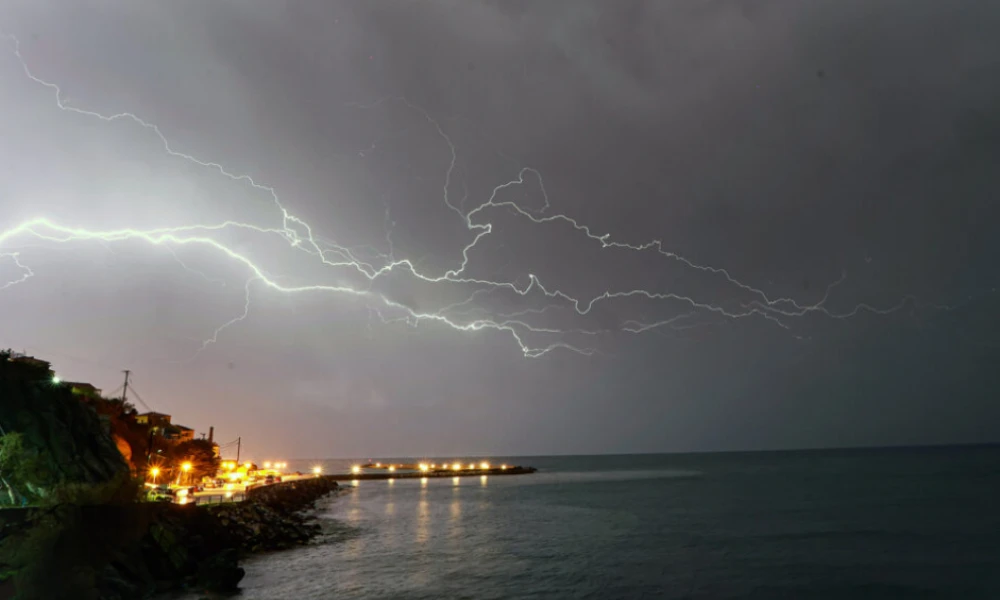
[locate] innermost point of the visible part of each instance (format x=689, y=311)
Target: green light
x=56, y=380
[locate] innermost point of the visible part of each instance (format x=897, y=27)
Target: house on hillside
x=35, y=364
x=154, y=420
x=178, y=433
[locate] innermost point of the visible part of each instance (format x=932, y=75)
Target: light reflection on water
x=414, y=532
x=692, y=526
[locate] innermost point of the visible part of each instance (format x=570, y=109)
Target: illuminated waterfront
x=657, y=526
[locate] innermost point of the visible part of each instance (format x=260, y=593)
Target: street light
x=424, y=467
x=317, y=470
x=154, y=472
x=56, y=380
x=355, y=469
x=484, y=465
x=186, y=468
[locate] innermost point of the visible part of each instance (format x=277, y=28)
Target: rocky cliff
x=61, y=438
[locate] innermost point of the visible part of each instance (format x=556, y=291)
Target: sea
x=853, y=524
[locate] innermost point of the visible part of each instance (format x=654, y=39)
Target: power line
x=141, y=401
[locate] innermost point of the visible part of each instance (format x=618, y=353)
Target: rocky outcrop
x=61, y=437
x=132, y=550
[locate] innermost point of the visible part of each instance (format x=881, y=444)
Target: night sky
x=686, y=225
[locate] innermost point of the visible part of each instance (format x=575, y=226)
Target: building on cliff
x=154, y=420
x=36, y=364
x=178, y=433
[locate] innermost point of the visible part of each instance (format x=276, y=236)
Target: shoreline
x=143, y=549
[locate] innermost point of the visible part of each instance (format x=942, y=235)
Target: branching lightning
x=465, y=315
x=246, y=312
x=26, y=272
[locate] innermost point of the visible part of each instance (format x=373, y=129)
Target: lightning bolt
x=215, y=335
x=300, y=237
x=26, y=272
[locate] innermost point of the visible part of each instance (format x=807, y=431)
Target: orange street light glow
x=186, y=467
x=424, y=468
x=267, y=465
x=392, y=468
x=355, y=469
x=504, y=467
x=472, y=466
x=456, y=466
x=317, y=469
x=484, y=465
x=378, y=464
x=246, y=464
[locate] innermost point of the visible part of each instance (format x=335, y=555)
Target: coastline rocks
x=221, y=572
x=131, y=551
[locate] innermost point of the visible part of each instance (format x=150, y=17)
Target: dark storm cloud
x=785, y=142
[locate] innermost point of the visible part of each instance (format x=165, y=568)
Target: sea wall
x=134, y=550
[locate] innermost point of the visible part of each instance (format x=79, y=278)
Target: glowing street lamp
x=56, y=380
x=456, y=467
x=424, y=467
x=472, y=466
x=186, y=467
x=484, y=465
x=392, y=468
x=317, y=470
x=503, y=467
x=154, y=472
x=355, y=469
x=267, y=465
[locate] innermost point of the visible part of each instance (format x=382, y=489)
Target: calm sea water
x=901, y=523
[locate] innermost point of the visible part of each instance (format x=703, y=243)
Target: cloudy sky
x=507, y=227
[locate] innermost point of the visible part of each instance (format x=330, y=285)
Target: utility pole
x=238, y=439
x=125, y=387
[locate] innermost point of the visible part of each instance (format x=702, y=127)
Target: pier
x=409, y=474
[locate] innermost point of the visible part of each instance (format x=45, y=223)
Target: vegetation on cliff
x=52, y=443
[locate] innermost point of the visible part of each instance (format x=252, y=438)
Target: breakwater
x=134, y=550
x=431, y=474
